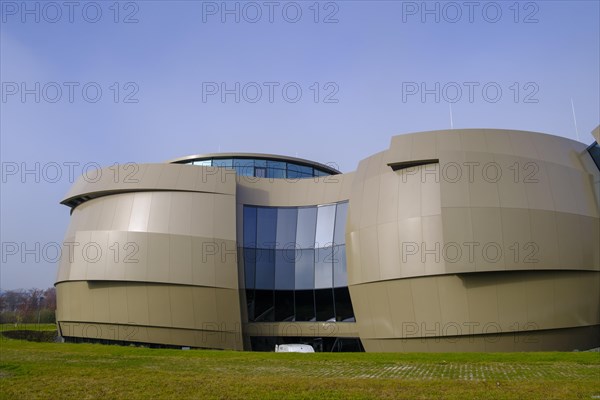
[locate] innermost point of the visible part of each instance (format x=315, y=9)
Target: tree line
x=28, y=306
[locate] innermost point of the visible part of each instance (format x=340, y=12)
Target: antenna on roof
x=451, y=121
x=574, y=119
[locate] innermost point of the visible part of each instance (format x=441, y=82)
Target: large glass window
x=286, y=228
x=305, y=232
x=325, y=224
x=263, y=168
x=293, y=270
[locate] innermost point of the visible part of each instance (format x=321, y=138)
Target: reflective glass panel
x=284, y=269
x=305, y=228
x=343, y=305
x=339, y=236
x=205, y=163
x=249, y=260
x=249, y=226
x=275, y=173
x=323, y=268
x=266, y=227
x=340, y=276
x=324, y=305
x=305, y=305
x=284, y=305
x=305, y=269
x=286, y=228
x=325, y=224
x=225, y=162
x=265, y=269
x=263, y=306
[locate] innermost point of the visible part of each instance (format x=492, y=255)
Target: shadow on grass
x=32, y=336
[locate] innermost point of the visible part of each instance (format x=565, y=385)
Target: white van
x=294, y=348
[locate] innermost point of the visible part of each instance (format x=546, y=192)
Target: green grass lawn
x=30, y=370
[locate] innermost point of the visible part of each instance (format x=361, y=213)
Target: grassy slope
x=83, y=371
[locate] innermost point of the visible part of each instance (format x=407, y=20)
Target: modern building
x=456, y=240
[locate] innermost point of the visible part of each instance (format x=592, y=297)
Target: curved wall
x=513, y=211
x=461, y=240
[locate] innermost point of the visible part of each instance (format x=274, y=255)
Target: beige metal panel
x=108, y=204
x=517, y=173
x=186, y=177
x=401, y=305
x=517, y=243
x=97, y=261
x=180, y=259
x=158, y=258
x=228, y=309
x=159, y=304
x=179, y=214
x=99, y=299
x=544, y=237
x=369, y=254
x=122, y=212
x=369, y=203
x=426, y=302
x=410, y=244
x=454, y=305
x=159, y=212
x=498, y=142
x=117, y=299
x=224, y=224
x=400, y=150
x=473, y=140
x=379, y=310
x=169, y=176
x=590, y=237
x=79, y=265
x=512, y=304
x=181, y=300
x=346, y=183
x=448, y=141
x=540, y=303
x=137, y=304
x=481, y=172
x=389, y=253
x=565, y=198
x=483, y=301
x=432, y=247
x=569, y=243
x=523, y=145
x=387, y=209
x=539, y=194
x=353, y=257
x=424, y=147
x=360, y=305
x=430, y=194
x=115, y=266
x=583, y=193
x=203, y=272
x=134, y=256
x=202, y=220
x=488, y=239
x=453, y=178
x=225, y=264
x=204, y=306
x=457, y=230
x=409, y=193
x=140, y=211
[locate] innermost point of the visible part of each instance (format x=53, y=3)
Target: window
x=292, y=271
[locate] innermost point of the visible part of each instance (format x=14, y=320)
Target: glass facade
x=594, y=151
x=294, y=262
x=263, y=168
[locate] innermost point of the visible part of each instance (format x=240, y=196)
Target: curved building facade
x=459, y=240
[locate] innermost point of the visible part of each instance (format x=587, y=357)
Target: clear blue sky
x=367, y=61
